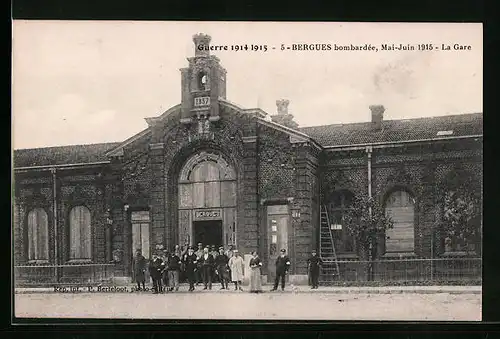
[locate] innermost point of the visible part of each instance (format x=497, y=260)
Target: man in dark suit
x=282, y=266
x=222, y=268
x=190, y=263
x=156, y=271
x=140, y=264
x=313, y=264
x=199, y=270
x=207, y=264
x=173, y=268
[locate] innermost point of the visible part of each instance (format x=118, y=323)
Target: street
x=228, y=305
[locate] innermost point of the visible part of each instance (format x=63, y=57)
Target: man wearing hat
x=222, y=269
x=282, y=266
x=155, y=270
x=173, y=268
x=190, y=263
x=214, y=254
x=164, y=274
x=199, y=271
x=313, y=264
x=236, y=265
x=207, y=264
x=140, y=270
x=229, y=251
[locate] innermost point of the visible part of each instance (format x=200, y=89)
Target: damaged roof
x=397, y=130
x=61, y=155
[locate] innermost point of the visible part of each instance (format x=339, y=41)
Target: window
x=38, y=235
x=80, y=234
x=400, y=207
x=339, y=202
x=202, y=81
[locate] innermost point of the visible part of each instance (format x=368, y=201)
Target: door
x=277, y=223
x=140, y=235
x=208, y=232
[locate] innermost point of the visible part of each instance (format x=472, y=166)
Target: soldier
x=140, y=270
x=313, y=264
x=282, y=266
x=190, y=262
x=207, y=264
x=222, y=269
x=199, y=271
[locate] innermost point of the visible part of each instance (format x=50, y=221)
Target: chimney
x=201, y=44
x=377, y=116
x=283, y=117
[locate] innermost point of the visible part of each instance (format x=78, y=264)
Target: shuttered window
x=80, y=233
x=38, y=235
x=400, y=207
x=140, y=232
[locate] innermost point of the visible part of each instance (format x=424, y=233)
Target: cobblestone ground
x=244, y=305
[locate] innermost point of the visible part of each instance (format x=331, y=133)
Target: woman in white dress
x=236, y=265
x=255, y=277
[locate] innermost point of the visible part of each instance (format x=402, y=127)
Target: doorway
x=277, y=232
x=208, y=232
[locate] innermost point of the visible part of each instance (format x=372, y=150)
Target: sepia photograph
x=178, y=170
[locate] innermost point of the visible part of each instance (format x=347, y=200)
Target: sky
x=84, y=82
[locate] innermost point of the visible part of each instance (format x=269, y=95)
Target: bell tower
x=203, y=83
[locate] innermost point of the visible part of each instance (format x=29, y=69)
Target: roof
x=396, y=130
x=328, y=135
x=61, y=155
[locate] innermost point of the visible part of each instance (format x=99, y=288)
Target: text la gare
x=456, y=47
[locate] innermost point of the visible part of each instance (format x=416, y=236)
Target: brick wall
x=417, y=169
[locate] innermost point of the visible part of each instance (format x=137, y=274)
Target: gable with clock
x=203, y=83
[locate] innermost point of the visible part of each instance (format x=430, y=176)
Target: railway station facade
x=210, y=171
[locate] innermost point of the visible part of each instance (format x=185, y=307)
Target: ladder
x=327, y=248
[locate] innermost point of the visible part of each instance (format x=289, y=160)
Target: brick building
x=208, y=170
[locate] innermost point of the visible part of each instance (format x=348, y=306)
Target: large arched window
x=38, y=235
x=338, y=203
x=207, y=181
x=400, y=207
x=80, y=234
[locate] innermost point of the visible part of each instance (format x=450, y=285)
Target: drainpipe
x=369, y=151
x=56, y=243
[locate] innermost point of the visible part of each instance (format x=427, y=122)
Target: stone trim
x=249, y=139
x=156, y=146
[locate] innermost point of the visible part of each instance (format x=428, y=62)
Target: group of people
x=208, y=266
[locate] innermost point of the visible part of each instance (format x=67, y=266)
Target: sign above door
x=208, y=214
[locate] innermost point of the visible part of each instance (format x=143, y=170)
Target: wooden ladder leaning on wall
x=330, y=271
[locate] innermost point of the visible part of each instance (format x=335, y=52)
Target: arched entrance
x=207, y=200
